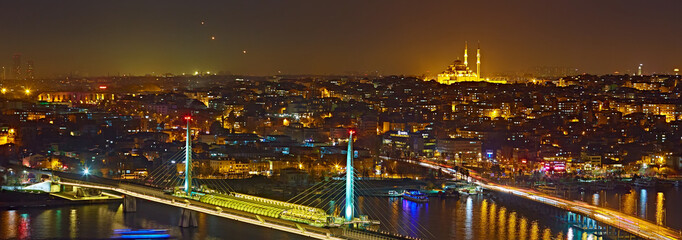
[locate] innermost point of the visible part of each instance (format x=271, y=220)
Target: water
x=473, y=217
x=658, y=206
x=100, y=220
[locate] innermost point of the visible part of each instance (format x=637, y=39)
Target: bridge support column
x=129, y=204
x=188, y=218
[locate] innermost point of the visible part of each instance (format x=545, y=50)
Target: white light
x=86, y=171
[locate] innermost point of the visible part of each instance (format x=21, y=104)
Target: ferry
x=415, y=196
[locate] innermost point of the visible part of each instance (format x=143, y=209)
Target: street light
x=86, y=171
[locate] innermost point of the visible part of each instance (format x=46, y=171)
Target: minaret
x=466, y=54
x=478, y=61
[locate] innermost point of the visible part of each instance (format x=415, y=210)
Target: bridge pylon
x=350, y=198
x=188, y=159
x=129, y=204
x=188, y=218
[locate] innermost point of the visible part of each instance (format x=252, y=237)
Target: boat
x=644, y=183
x=469, y=191
x=449, y=193
x=415, y=196
x=394, y=193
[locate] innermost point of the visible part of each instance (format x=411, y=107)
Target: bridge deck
x=160, y=197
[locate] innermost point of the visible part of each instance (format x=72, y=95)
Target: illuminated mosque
x=459, y=71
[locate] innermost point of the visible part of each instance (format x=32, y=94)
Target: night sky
x=331, y=37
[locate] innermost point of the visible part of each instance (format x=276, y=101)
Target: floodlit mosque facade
x=459, y=71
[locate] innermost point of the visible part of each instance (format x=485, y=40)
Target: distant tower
x=639, y=70
x=29, y=70
x=4, y=73
x=17, y=66
x=478, y=61
x=466, y=54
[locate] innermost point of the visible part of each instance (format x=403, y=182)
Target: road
x=634, y=225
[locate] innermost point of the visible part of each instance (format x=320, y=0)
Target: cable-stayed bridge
x=327, y=210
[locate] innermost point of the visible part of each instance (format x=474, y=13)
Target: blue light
x=145, y=236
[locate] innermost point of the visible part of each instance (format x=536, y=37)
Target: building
x=76, y=97
x=16, y=59
x=461, y=150
x=420, y=143
x=29, y=70
x=459, y=71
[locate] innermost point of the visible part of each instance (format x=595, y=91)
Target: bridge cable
x=165, y=172
x=406, y=215
x=307, y=191
x=321, y=185
x=335, y=188
x=337, y=193
x=370, y=205
x=415, y=224
x=164, y=176
x=161, y=169
x=303, y=197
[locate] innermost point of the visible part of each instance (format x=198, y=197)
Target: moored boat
x=644, y=183
x=394, y=193
x=415, y=196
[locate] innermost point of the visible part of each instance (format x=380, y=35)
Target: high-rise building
x=639, y=70
x=17, y=66
x=29, y=70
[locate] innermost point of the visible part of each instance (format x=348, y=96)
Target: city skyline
x=265, y=38
x=334, y=120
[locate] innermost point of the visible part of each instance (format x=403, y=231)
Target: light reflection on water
x=656, y=205
x=660, y=209
x=469, y=221
x=100, y=220
x=472, y=217
x=642, y=203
